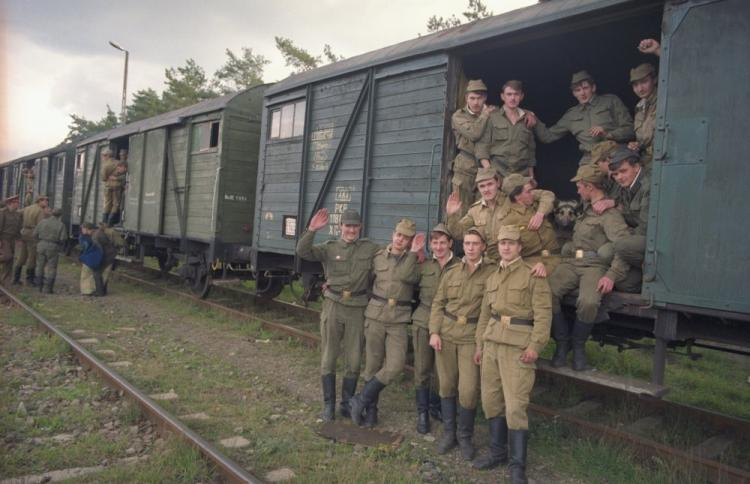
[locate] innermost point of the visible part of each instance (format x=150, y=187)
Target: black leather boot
x=99, y=284
x=448, y=439
x=518, y=442
x=561, y=335
x=348, y=387
x=329, y=396
x=364, y=400
x=581, y=332
x=17, y=276
x=465, y=432
x=50, y=285
x=31, y=277
x=498, y=450
x=435, y=410
x=423, y=404
x=371, y=413
x=39, y=281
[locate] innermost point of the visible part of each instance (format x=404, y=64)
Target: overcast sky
x=57, y=59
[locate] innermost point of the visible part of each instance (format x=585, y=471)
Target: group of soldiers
x=480, y=321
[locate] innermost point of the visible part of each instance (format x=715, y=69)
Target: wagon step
x=626, y=383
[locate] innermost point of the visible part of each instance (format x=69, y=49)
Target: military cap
x=12, y=199
x=513, y=181
x=622, y=154
x=642, y=72
x=603, y=150
x=509, y=232
x=407, y=227
x=57, y=212
x=475, y=231
x=591, y=174
x=441, y=229
x=351, y=217
x=476, y=85
x=579, y=77
x=40, y=198
x=485, y=174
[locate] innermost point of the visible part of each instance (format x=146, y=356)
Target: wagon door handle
x=665, y=139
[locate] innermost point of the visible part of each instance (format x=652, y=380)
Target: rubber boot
x=361, y=401
x=448, y=439
x=498, y=450
x=99, y=283
x=435, y=410
x=423, y=404
x=465, y=432
x=329, y=397
x=518, y=441
x=31, y=277
x=348, y=387
x=581, y=332
x=17, y=276
x=50, y=285
x=561, y=335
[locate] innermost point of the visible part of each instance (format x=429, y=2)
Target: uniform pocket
x=517, y=296
x=517, y=335
x=454, y=290
x=500, y=133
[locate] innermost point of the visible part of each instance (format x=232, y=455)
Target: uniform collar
x=510, y=266
x=636, y=181
x=391, y=254
x=466, y=108
x=592, y=102
x=521, y=112
x=481, y=259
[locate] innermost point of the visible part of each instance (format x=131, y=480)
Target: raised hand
x=319, y=220
x=454, y=203
x=417, y=244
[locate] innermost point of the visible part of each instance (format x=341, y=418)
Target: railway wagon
x=372, y=132
x=191, y=184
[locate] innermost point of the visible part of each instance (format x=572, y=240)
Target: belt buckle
x=391, y=302
x=505, y=320
x=545, y=253
x=461, y=320
x=579, y=254
x=346, y=295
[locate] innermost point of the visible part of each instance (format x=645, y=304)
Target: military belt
x=460, y=319
x=346, y=295
x=518, y=321
x=391, y=301
x=581, y=254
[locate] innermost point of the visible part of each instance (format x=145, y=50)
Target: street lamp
x=124, y=111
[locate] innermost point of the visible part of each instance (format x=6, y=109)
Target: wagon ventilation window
x=79, y=162
x=288, y=120
x=205, y=136
x=289, y=228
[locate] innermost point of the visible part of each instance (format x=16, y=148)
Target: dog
x=564, y=217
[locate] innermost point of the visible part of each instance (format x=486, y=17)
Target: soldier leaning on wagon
x=10, y=231
x=596, y=118
x=587, y=271
x=601, y=155
x=468, y=124
x=508, y=143
x=389, y=311
x=453, y=324
x=26, y=245
x=346, y=262
x=513, y=328
x=50, y=235
x=425, y=374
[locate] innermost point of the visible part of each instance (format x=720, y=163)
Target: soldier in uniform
x=508, y=143
x=468, y=124
x=113, y=177
x=26, y=245
x=513, y=328
x=92, y=255
x=50, y=235
x=346, y=263
x=425, y=375
x=601, y=155
x=453, y=324
x=596, y=118
x=587, y=272
x=394, y=274
x=28, y=174
x=111, y=242
x=10, y=231
x=643, y=81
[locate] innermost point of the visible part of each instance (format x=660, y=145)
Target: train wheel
x=268, y=287
x=196, y=274
x=167, y=262
x=201, y=285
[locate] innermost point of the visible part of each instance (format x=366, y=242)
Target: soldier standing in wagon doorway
x=346, y=262
x=113, y=176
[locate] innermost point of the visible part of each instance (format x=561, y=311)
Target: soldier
x=643, y=81
x=113, y=177
x=507, y=143
x=587, y=271
x=26, y=245
x=122, y=155
x=468, y=124
x=10, y=231
x=111, y=242
x=425, y=376
x=50, y=235
x=28, y=175
x=596, y=118
x=92, y=256
x=389, y=311
x=453, y=324
x=601, y=155
x=527, y=209
x=347, y=263
x=513, y=329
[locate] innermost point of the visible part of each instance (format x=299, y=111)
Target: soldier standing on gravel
x=10, y=231
x=346, y=263
x=26, y=250
x=50, y=235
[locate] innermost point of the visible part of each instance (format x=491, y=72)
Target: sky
x=55, y=58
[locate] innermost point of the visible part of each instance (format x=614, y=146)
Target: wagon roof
x=39, y=154
x=453, y=38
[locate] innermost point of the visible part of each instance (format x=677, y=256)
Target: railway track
x=702, y=457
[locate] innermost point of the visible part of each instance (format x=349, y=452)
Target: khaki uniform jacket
x=346, y=266
x=101, y=237
x=394, y=277
x=533, y=242
x=10, y=224
x=32, y=215
x=511, y=144
x=110, y=169
x=607, y=111
x=645, y=124
x=512, y=291
x=430, y=274
x=459, y=294
x=51, y=229
x=611, y=189
x=467, y=129
x=592, y=231
x=633, y=203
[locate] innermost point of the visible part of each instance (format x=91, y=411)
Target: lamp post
x=124, y=111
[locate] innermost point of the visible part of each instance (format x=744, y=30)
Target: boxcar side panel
x=153, y=181
x=175, y=178
x=132, y=219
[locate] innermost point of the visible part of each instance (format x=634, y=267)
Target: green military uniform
x=509, y=147
x=114, y=183
x=10, y=231
x=515, y=316
x=26, y=245
x=645, y=114
x=602, y=151
x=28, y=174
x=50, y=235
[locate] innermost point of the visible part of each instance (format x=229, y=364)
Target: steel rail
x=229, y=469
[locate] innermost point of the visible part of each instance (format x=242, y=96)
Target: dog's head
x=566, y=212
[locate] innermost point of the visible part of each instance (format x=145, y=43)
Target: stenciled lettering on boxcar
x=320, y=144
x=236, y=197
x=343, y=197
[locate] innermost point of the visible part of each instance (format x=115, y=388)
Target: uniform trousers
x=457, y=373
x=464, y=181
x=581, y=275
x=112, y=199
x=26, y=253
x=47, y=256
x=340, y=324
x=506, y=384
x=385, y=345
x=631, y=250
x=425, y=375
x=88, y=285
